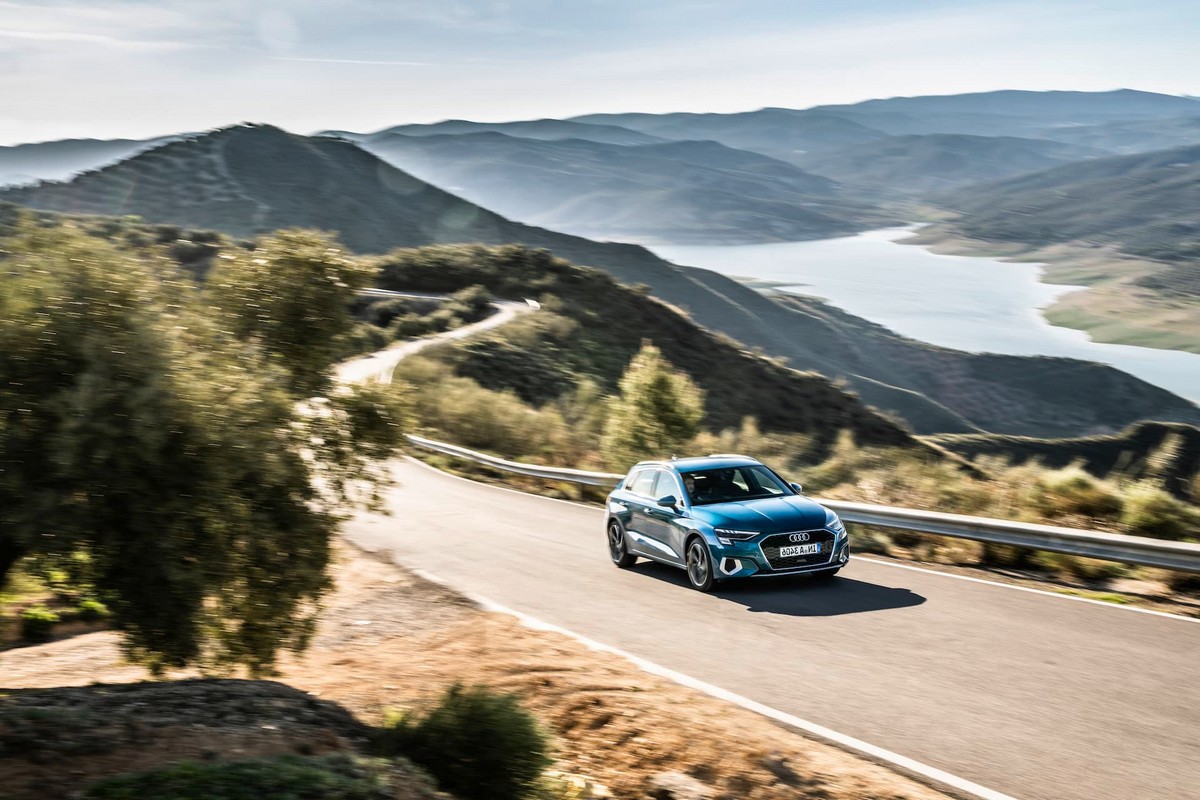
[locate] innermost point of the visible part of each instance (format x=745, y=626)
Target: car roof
x=699, y=463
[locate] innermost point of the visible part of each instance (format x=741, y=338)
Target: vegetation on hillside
x=169, y=456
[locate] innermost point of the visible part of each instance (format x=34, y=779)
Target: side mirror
x=668, y=502
x=799, y=489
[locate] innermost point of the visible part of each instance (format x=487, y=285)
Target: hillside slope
x=59, y=160
x=1165, y=453
x=778, y=132
x=1146, y=205
x=917, y=165
x=693, y=192
x=249, y=180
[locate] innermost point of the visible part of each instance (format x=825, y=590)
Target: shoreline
x=1107, y=306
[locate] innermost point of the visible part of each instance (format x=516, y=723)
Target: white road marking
x=1030, y=589
x=1056, y=595
x=939, y=778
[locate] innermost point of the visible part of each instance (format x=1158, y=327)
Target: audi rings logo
x=798, y=537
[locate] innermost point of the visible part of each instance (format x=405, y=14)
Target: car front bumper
x=746, y=560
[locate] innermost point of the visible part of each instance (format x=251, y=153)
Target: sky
x=138, y=68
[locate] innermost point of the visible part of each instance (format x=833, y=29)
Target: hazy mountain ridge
x=920, y=164
x=1147, y=205
x=550, y=130
x=694, y=192
x=250, y=179
x=61, y=159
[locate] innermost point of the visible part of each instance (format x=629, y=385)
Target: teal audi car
x=721, y=517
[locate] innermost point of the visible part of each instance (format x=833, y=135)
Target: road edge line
x=1030, y=589
x=855, y=557
x=911, y=768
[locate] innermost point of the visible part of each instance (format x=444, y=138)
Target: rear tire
x=618, y=548
x=700, y=566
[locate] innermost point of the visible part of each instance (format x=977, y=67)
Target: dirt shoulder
x=390, y=640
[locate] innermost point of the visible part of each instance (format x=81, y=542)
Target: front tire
x=699, y=566
x=618, y=548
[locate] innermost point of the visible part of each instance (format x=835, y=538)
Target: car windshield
x=732, y=484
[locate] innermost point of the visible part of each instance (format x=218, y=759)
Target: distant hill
x=689, y=192
x=1130, y=136
x=1146, y=205
x=1010, y=112
x=1164, y=453
x=252, y=179
x=778, y=132
x=59, y=160
x=914, y=165
x=549, y=130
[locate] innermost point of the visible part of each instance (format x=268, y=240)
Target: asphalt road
x=1035, y=696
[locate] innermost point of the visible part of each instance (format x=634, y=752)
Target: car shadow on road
x=799, y=596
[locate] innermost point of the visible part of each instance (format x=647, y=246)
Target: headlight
x=727, y=535
x=835, y=524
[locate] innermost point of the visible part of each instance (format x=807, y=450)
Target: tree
x=658, y=411
x=135, y=431
x=292, y=294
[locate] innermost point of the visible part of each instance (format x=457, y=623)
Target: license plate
x=799, y=550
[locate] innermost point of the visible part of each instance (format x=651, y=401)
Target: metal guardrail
x=535, y=470
x=1183, y=556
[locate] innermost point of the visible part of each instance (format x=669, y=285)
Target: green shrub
x=866, y=539
x=478, y=743
x=1090, y=570
x=91, y=610
x=333, y=777
x=1072, y=491
x=37, y=622
x=1151, y=511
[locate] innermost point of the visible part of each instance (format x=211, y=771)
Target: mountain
x=252, y=179
x=548, y=130
x=682, y=192
x=55, y=161
x=1009, y=112
x=915, y=165
x=1146, y=205
x=778, y=132
x=1130, y=136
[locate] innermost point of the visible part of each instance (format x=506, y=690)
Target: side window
x=643, y=482
x=665, y=485
x=741, y=480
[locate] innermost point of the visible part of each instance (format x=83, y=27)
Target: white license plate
x=799, y=550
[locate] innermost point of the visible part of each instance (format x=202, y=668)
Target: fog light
x=844, y=556
x=731, y=565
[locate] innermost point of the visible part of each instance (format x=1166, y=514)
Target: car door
x=661, y=524
x=636, y=498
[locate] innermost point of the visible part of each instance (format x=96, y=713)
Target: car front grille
x=770, y=548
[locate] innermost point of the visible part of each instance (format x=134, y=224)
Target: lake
x=967, y=303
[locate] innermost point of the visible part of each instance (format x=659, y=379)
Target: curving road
x=1029, y=694
x=380, y=364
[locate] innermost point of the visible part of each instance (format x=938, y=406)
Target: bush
x=1151, y=511
x=37, y=622
x=280, y=778
x=91, y=610
x=479, y=744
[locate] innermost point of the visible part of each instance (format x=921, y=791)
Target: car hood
x=767, y=515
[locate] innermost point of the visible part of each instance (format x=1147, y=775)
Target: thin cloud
x=94, y=38
x=354, y=61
